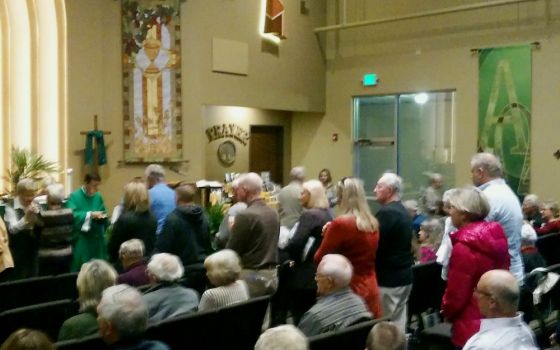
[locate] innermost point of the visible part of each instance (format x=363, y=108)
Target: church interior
x=237, y=86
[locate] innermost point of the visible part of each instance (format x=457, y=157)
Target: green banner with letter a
x=504, y=108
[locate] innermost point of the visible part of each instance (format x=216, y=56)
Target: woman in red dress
x=355, y=234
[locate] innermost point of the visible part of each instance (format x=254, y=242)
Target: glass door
x=374, y=131
x=410, y=134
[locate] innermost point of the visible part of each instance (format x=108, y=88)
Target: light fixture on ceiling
x=421, y=98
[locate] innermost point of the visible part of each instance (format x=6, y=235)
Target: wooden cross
x=95, y=128
x=95, y=167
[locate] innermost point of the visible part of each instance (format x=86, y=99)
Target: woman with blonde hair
x=136, y=221
x=355, y=234
x=93, y=278
x=478, y=246
x=302, y=288
x=28, y=339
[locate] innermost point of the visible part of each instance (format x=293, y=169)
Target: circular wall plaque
x=226, y=153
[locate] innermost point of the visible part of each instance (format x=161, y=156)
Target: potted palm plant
x=26, y=164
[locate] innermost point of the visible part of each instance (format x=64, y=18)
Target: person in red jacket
x=355, y=234
x=551, y=216
x=478, y=247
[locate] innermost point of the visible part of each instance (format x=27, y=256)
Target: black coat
x=185, y=233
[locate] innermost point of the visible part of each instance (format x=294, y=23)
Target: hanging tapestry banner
x=504, y=122
x=151, y=81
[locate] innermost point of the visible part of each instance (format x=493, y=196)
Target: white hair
x=125, y=309
x=386, y=336
x=317, y=194
x=132, y=248
x=297, y=173
x=392, y=180
x=223, y=267
x=447, y=194
x=55, y=193
x=165, y=267
x=251, y=182
x=488, y=162
x=531, y=200
x=155, y=171
x=338, y=268
x=285, y=337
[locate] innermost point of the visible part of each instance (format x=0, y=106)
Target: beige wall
x=288, y=77
x=432, y=54
x=245, y=118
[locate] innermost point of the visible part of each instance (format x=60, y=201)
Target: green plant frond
x=26, y=164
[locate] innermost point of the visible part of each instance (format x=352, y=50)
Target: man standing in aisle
x=162, y=198
x=254, y=236
x=486, y=171
x=394, y=260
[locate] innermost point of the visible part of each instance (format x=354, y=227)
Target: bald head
x=498, y=294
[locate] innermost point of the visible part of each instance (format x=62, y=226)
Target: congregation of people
x=323, y=257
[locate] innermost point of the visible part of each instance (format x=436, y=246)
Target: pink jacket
x=477, y=247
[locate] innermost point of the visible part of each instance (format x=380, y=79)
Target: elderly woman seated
x=131, y=254
x=223, y=270
x=167, y=298
x=93, y=278
x=551, y=215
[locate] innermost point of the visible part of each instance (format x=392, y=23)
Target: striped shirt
x=334, y=311
x=225, y=295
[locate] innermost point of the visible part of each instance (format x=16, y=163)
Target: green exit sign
x=369, y=79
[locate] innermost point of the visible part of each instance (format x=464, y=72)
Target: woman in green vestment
x=90, y=222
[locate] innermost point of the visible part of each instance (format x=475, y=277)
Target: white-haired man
x=502, y=327
x=386, y=336
x=254, y=236
x=123, y=318
x=531, y=207
x=162, y=198
x=167, y=298
x=338, y=306
x=289, y=206
x=285, y=337
x=486, y=170
x=394, y=259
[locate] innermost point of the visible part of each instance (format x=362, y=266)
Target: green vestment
x=91, y=244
